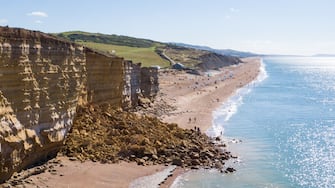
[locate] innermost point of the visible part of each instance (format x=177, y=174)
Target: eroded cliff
x=199, y=59
x=43, y=80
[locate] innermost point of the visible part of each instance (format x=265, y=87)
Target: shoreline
x=191, y=105
x=198, y=96
x=205, y=103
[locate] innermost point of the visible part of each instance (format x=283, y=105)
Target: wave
x=230, y=107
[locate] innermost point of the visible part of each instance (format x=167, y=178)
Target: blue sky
x=274, y=27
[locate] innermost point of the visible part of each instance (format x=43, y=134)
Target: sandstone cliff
x=43, y=80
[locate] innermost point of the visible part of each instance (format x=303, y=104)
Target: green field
x=130, y=48
x=119, y=40
x=147, y=56
x=138, y=50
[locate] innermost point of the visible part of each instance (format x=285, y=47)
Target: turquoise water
x=286, y=123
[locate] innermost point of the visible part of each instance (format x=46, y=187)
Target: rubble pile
x=108, y=135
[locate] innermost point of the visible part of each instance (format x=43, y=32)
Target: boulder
x=195, y=162
x=177, y=162
x=230, y=170
x=140, y=161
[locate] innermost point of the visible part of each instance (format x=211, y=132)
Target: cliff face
x=199, y=59
x=212, y=61
x=139, y=83
x=132, y=84
x=149, y=82
x=105, y=79
x=42, y=81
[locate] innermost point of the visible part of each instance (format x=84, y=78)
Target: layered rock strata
x=42, y=81
x=149, y=82
x=105, y=79
x=131, y=87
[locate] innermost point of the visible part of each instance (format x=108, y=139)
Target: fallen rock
x=144, y=102
x=195, y=162
x=121, y=135
x=230, y=170
x=140, y=161
x=177, y=162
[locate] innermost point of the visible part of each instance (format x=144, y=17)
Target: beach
x=280, y=127
x=196, y=97
x=192, y=99
x=62, y=172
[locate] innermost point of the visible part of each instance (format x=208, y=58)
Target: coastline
x=196, y=98
x=189, y=103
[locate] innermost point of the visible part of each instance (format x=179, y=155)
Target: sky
x=300, y=27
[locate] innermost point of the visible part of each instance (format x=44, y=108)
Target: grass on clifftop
x=148, y=52
x=131, y=48
x=147, y=56
x=119, y=40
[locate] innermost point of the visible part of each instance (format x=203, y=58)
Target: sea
x=281, y=127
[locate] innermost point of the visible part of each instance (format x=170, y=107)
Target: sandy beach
x=196, y=97
x=193, y=97
x=66, y=173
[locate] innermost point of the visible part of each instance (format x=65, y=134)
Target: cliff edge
x=42, y=82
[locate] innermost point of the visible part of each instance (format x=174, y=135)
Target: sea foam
x=230, y=107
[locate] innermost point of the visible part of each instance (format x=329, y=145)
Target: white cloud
x=38, y=21
x=231, y=12
x=38, y=13
x=234, y=10
x=3, y=21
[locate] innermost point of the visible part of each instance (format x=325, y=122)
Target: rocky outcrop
x=42, y=81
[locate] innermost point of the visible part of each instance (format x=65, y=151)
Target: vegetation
x=189, y=57
x=77, y=36
x=135, y=49
x=147, y=52
x=147, y=56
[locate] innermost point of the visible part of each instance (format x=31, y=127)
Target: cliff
x=198, y=59
x=104, y=79
x=212, y=61
x=43, y=80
